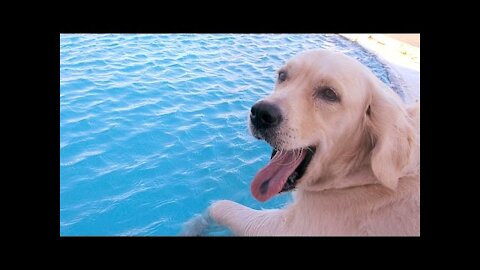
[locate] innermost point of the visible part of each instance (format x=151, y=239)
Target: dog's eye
x=282, y=76
x=328, y=94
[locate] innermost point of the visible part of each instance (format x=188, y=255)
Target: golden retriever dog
x=347, y=146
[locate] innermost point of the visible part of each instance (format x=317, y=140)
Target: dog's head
x=327, y=117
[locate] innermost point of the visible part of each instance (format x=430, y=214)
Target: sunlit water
x=153, y=127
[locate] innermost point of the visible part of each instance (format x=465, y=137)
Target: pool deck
x=401, y=53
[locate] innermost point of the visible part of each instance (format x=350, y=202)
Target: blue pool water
x=153, y=128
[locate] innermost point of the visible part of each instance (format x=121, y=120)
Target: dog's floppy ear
x=392, y=132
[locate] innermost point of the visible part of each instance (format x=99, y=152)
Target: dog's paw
x=219, y=209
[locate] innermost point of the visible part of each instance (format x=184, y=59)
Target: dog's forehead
x=321, y=58
x=333, y=65
x=311, y=69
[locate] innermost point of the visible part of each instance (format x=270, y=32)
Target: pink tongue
x=271, y=178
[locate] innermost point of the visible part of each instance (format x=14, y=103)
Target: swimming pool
x=153, y=128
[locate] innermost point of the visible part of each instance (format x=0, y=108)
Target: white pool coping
x=402, y=59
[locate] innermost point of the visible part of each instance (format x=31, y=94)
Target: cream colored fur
x=364, y=178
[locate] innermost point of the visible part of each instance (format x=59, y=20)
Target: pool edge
x=402, y=61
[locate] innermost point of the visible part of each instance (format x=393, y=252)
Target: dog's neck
x=360, y=177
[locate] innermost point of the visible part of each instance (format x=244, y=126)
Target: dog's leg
x=244, y=221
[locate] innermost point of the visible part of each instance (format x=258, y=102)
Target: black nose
x=265, y=115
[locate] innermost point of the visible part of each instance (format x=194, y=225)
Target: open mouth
x=281, y=173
